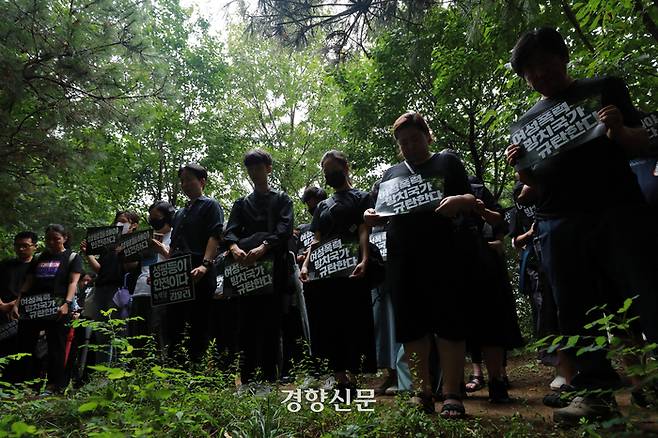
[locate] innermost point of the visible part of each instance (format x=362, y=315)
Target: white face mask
x=125, y=225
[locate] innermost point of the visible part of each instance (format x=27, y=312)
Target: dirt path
x=530, y=382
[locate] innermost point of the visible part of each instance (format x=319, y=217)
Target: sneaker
x=392, y=390
x=557, y=383
x=559, y=398
x=590, y=408
x=498, y=391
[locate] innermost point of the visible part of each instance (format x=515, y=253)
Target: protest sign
x=562, y=127
x=379, y=239
x=408, y=194
x=8, y=329
x=332, y=259
x=256, y=279
x=171, y=281
x=101, y=237
x=134, y=244
x=39, y=306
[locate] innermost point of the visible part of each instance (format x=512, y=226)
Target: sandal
x=424, y=402
x=476, y=381
x=452, y=411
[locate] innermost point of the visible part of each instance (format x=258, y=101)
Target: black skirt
x=341, y=324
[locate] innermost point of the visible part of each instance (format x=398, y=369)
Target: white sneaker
x=557, y=383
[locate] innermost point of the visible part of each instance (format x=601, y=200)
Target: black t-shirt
x=521, y=220
x=264, y=216
x=586, y=178
x=419, y=232
x=194, y=224
x=12, y=275
x=111, y=270
x=341, y=215
x=51, y=273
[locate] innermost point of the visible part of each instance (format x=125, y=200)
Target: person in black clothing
x=427, y=259
x=494, y=323
x=111, y=272
x=258, y=229
x=12, y=275
x=197, y=229
x=340, y=309
x=593, y=251
x=54, y=274
x=311, y=197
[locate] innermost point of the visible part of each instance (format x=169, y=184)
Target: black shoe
x=498, y=391
x=559, y=398
x=424, y=403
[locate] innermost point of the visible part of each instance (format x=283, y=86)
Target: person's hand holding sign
x=255, y=254
x=371, y=218
x=63, y=310
x=359, y=270
x=198, y=272
x=512, y=154
x=451, y=206
x=238, y=254
x=303, y=274
x=612, y=118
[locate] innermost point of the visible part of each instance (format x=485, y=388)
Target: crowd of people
x=435, y=290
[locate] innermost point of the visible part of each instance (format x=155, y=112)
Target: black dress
x=340, y=309
x=493, y=319
x=426, y=259
x=256, y=218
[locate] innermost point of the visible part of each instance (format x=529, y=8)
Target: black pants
x=191, y=318
x=260, y=336
x=594, y=260
x=149, y=325
x=56, y=333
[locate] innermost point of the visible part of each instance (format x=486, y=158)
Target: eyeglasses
x=23, y=245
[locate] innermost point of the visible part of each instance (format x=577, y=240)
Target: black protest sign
x=8, y=329
x=171, y=281
x=134, y=244
x=306, y=238
x=408, y=194
x=102, y=237
x=379, y=239
x=332, y=259
x=562, y=127
x=256, y=279
x=40, y=306
x=650, y=123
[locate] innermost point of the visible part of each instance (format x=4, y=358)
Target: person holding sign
x=44, y=303
x=197, y=229
x=161, y=215
x=426, y=261
x=591, y=218
x=12, y=275
x=258, y=230
x=111, y=269
x=340, y=308
x=311, y=197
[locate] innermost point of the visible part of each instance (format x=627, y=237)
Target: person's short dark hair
x=196, y=169
x=335, y=155
x=414, y=119
x=314, y=193
x=60, y=229
x=543, y=40
x=257, y=156
x=27, y=235
x=132, y=217
x=166, y=209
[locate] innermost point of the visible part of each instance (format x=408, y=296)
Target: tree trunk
x=576, y=26
x=638, y=7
